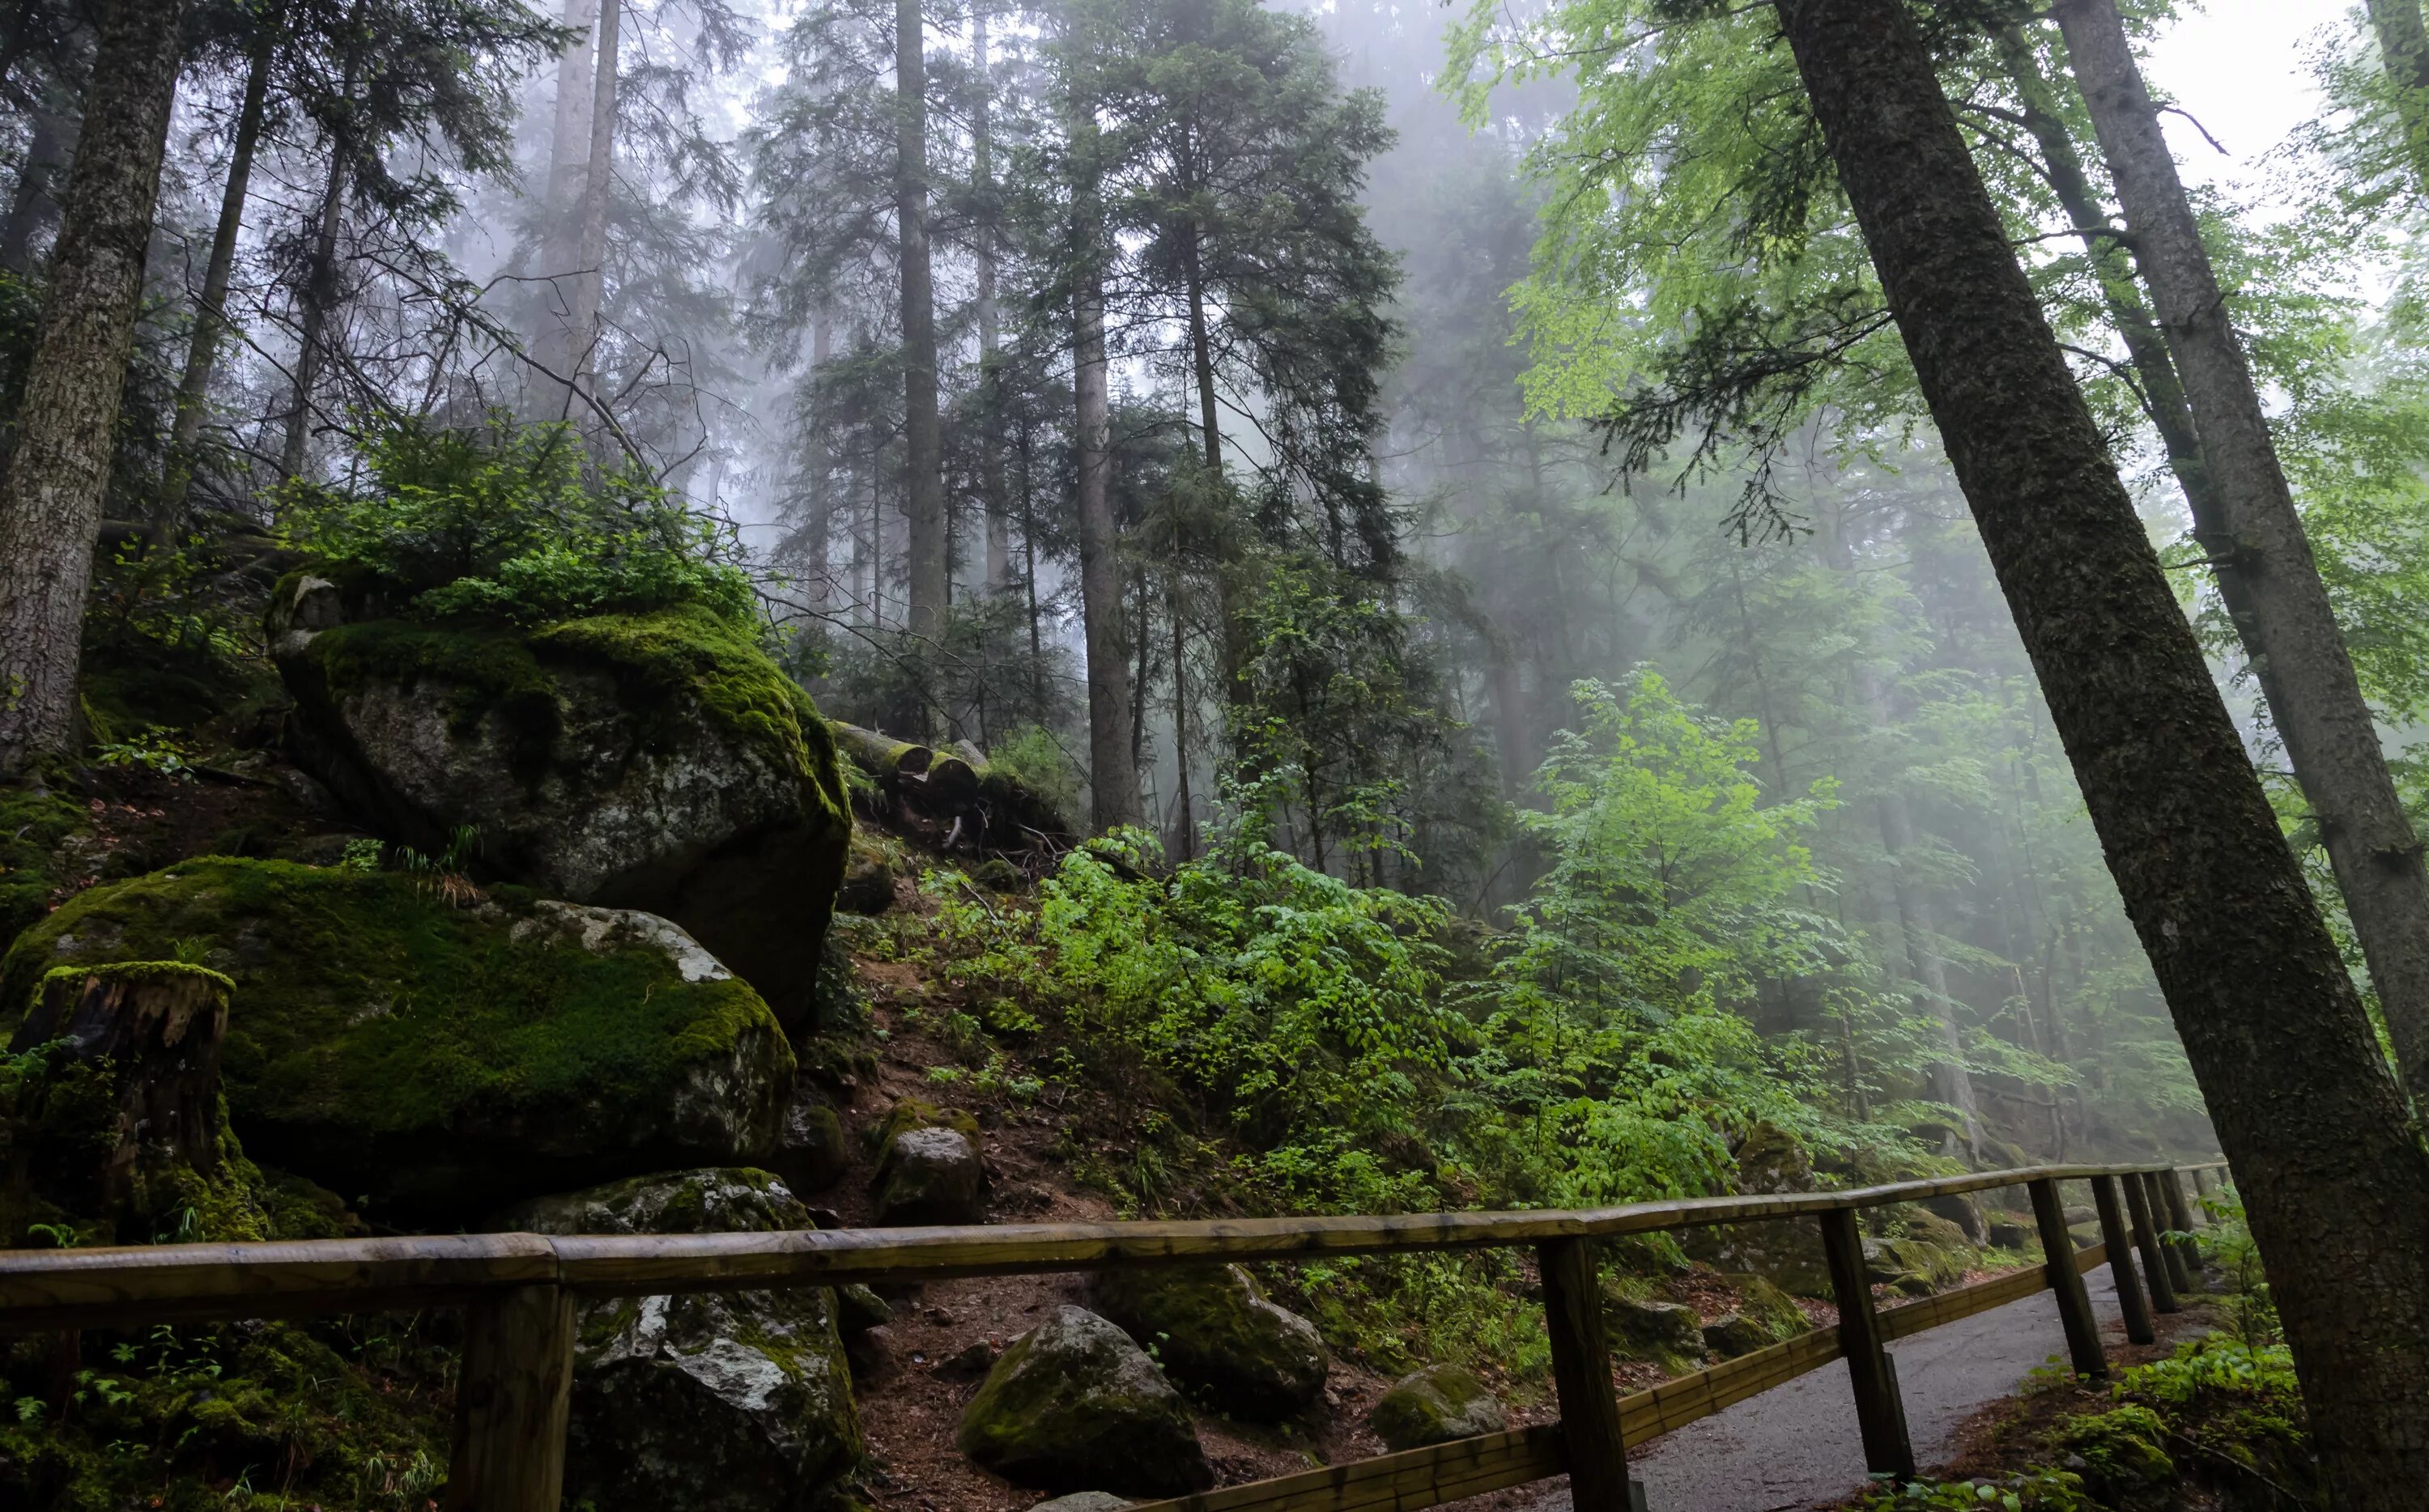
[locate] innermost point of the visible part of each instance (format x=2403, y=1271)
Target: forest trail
x=1796, y=1446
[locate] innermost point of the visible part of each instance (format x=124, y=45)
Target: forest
x=670, y=617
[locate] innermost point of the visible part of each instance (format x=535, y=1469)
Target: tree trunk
x=923, y=447
x=1113, y=777
x=818, y=541
x=316, y=297
x=991, y=443
x=2331, y=738
x=552, y=333
x=1185, y=828
x=210, y=309
x=2404, y=52
x=598, y=182
x=50, y=501
x=2335, y=1182
x=34, y=208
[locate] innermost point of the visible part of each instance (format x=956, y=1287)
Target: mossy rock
x=2119, y=1456
x=928, y=1168
x=658, y=761
x=1084, y=1502
x=1436, y=1406
x=38, y=835
x=1669, y=1333
x=1217, y=1335
x=868, y=879
x=1767, y=1305
x=1734, y=1334
x=719, y=1401
x=1074, y=1405
x=443, y=1060
x=810, y=1153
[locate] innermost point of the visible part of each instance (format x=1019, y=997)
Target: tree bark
x=997, y=499
x=819, y=539
x=598, y=181
x=1113, y=777
x=2404, y=52
x=34, y=207
x=552, y=333
x=210, y=307
x=2336, y=1181
x=50, y=501
x=2331, y=737
x=923, y=446
x=316, y=297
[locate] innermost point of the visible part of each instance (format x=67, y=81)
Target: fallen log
x=959, y=791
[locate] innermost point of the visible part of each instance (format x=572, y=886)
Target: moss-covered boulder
x=809, y=1152
x=657, y=761
x=1733, y=1334
x=1217, y=1336
x=928, y=1168
x=718, y=1402
x=1436, y=1406
x=1074, y=1405
x=442, y=1060
x=1769, y=1306
x=1787, y=1253
x=1670, y=1333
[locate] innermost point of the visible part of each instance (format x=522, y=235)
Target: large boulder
x=928, y=1168
x=1216, y=1332
x=442, y=1056
x=1074, y=1405
x=657, y=761
x=1436, y=1406
x=1669, y=1333
x=1785, y=1252
x=712, y=1401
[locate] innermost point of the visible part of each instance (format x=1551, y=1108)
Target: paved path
x=1797, y=1445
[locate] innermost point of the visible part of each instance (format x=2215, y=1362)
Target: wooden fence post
x=2120, y=1261
x=2201, y=1180
x=510, y=1403
x=2146, y=1238
x=1879, y=1412
x=1581, y=1372
x=2180, y=1218
x=2163, y=1220
x=2073, y=1303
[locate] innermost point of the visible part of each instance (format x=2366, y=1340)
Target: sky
x=2240, y=67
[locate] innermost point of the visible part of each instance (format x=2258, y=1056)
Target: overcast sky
x=2240, y=66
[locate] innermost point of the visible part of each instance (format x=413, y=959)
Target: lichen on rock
x=928, y=1168
x=443, y=1060
x=656, y=761
x=718, y=1402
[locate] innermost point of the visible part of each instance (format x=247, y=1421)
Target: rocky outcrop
x=719, y=1401
x=443, y=1056
x=1219, y=1338
x=658, y=761
x=1733, y=1334
x=928, y=1169
x=1668, y=1332
x=1435, y=1406
x=1074, y=1405
x=1788, y=1254
x=809, y=1151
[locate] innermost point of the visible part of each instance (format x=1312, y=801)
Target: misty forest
x=805, y=628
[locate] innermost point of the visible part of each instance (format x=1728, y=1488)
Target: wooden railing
x=518, y=1292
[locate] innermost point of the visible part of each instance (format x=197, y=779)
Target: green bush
x=503, y=525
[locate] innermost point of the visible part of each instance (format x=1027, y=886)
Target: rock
x=1767, y=1305
x=1669, y=1332
x=1074, y=1405
x=859, y=1309
x=1436, y=1406
x=725, y=1401
x=1962, y=1209
x=1217, y=1335
x=809, y=1152
x=1084, y=1502
x=1917, y=1267
x=1734, y=1334
x=999, y=874
x=658, y=761
x=867, y=880
x=929, y=1170
x=2007, y=1234
x=972, y=1359
x=1788, y=1254
x=443, y=1060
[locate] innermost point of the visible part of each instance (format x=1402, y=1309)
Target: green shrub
x=502, y=525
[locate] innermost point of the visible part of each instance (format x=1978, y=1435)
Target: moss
x=240, y=1418
x=1767, y=1305
x=911, y=1112
x=378, y=1021
x=34, y=827
x=131, y=682
x=1436, y=1406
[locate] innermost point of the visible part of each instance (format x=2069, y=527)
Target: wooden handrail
x=520, y=1290
x=98, y=1288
